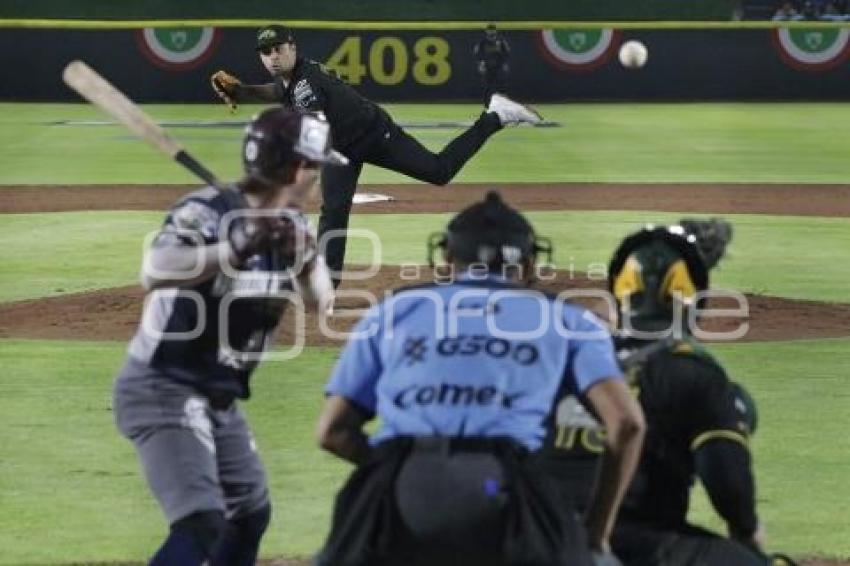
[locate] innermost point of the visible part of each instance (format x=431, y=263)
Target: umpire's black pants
x=390, y=147
x=452, y=502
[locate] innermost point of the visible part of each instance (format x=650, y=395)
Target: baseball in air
x=633, y=54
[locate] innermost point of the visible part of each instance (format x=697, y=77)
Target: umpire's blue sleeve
x=356, y=374
x=592, y=357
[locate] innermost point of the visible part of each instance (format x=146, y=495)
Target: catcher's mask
x=652, y=272
x=490, y=233
x=277, y=139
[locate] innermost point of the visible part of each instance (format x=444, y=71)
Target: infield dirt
x=808, y=200
x=112, y=314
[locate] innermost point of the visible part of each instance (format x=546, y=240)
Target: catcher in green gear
x=699, y=422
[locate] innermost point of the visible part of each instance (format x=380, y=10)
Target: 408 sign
x=390, y=60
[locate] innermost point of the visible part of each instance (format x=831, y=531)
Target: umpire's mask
x=492, y=234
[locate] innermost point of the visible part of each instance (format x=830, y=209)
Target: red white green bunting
x=177, y=48
x=812, y=49
x=578, y=49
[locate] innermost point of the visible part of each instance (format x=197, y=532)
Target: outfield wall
x=173, y=65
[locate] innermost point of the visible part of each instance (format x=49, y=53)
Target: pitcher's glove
x=713, y=236
x=225, y=85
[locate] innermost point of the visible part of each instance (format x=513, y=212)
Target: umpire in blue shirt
x=463, y=377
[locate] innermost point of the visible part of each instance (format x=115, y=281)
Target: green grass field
x=729, y=143
x=68, y=466
x=70, y=489
x=799, y=257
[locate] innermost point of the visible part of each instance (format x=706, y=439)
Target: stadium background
x=683, y=135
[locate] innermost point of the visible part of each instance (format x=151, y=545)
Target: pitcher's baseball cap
x=269, y=36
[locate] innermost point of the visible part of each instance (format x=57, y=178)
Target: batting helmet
x=657, y=266
x=490, y=233
x=276, y=139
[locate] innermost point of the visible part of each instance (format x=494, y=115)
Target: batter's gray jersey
x=211, y=335
x=195, y=457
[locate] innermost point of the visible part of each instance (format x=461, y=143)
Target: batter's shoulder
x=212, y=198
x=203, y=194
x=202, y=210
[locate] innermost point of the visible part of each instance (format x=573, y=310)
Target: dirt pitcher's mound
x=797, y=200
x=113, y=314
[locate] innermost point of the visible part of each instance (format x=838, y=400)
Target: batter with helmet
x=699, y=422
x=362, y=130
x=221, y=271
x=463, y=375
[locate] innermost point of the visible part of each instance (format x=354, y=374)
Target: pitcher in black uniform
x=698, y=421
x=362, y=130
x=221, y=270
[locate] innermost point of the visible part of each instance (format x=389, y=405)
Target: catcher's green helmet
x=658, y=266
x=653, y=269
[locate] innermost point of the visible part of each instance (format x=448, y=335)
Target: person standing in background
x=492, y=54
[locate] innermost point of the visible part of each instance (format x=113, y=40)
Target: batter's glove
x=712, y=237
x=297, y=240
x=224, y=85
x=249, y=236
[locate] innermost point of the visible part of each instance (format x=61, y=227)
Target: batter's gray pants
x=195, y=458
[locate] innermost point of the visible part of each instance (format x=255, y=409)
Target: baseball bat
x=100, y=92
